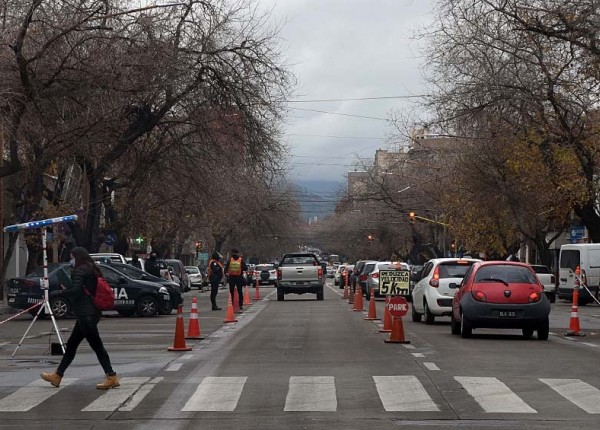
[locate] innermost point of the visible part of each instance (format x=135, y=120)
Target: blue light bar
x=41, y=223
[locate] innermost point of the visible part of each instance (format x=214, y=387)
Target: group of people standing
x=234, y=271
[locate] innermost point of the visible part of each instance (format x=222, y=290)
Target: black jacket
x=83, y=304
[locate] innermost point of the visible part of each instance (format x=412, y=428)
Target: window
x=453, y=270
x=508, y=274
x=569, y=259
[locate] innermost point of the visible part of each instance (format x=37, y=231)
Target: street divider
x=194, y=324
x=179, y=340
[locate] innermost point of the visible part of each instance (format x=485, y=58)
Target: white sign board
x=394, y=282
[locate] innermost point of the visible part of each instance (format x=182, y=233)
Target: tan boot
x=109, y=382
x=54, y=378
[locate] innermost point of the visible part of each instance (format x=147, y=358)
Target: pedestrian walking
x=80, y=292
x=234, y=269
x=215, y=274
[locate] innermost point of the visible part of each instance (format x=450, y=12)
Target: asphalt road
x=306, y=364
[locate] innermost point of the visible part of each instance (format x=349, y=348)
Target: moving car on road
x=299, y=273
x=501, y=294
x=265, y=273
x=196, y=277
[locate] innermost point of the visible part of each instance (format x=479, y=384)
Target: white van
x=587, y=257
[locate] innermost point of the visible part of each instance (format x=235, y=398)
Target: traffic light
x=370, y=238
x=139, y=240
x=411, y=216
x=198, y=246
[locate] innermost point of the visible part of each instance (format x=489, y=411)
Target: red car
x=500, y=294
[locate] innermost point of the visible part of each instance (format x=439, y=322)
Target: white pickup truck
x=547, y=279
x=300, y=273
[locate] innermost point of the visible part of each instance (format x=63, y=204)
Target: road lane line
x=403, y=394
x=174, y=367
x=493, y=395
x=131, y=392
x=31, y=395
x=216, y=394
x=594, y=345
x=431, y=366
x=408, y=346
x=311, y=394
x=578, y=392
x=418, y=354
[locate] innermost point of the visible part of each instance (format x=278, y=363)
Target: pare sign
x=397, y=306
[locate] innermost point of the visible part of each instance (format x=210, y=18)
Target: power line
x=336, y=137
x=359, y=99
x=340, y=113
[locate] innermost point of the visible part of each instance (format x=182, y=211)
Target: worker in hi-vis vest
x=234, y=269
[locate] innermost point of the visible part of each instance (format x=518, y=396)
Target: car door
x=419, y=290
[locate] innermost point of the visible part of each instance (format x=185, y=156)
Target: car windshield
x=505, y=273
x=453, y=270
x=540, y=269
x=192, y=270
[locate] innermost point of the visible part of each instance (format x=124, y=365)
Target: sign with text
x=397, y=307
x=394, y=282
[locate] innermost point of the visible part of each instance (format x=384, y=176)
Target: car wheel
x=126, y=313
x=416, y=317
x=280, y=296
x=543, y=330
x=320, y=294
x=166, y=308
x=429, y=317
x=466, y=329
x=527, y=332
x=147, y=306
x=60, y=307
x=454, y=325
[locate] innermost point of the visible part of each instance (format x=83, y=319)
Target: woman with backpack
x=84, y=277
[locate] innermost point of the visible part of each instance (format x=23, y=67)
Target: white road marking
x=408, y=346
x=311, y=394
x=493, y=395
x=125, y=398
x=216, y=394
x=31, y=395
x=403, y=394
x=431, y=366
x=187, y=356
x=3, y=343
x=418, y=354
x=578, y=392
x=174, y=367
x=594, y=345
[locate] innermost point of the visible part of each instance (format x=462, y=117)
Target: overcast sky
x=345, y=49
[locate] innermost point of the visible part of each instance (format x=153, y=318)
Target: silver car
x=373, y=277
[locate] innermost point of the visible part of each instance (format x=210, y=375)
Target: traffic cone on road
x=256, y=291
x=194, y=324
x=358, y=301
x=574, y=329
x=387, y=318
x=179, y=341
x=236, y=301
x=372, y=315
x=230, y=316
x=397, y=335
x=247, y=300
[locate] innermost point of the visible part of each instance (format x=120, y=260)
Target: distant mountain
x=318, y=198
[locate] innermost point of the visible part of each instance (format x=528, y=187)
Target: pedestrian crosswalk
x=396, y=393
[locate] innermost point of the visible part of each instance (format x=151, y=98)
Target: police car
x=131, y=296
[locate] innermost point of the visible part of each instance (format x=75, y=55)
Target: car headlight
x=163, y=290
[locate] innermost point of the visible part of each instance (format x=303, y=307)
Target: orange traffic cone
x=236, y=300
x=247, y=300
x=194, y=325
x=387, y=318
x=230, y=316
x=256, y=291
x=372, y=310
x=179, y=341
x=574, y=329
x=351, y=296
x=358, y=301
x=397, y=335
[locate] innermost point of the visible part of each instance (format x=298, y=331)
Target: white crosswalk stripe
x=493, y=395
x=31, y=395
x=130, y=394
x=578, y=392
x=311, y=394
x=216, y=394
x=403, y=394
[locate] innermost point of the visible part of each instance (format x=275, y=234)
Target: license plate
x=298, y=283
x=167, y=298
x=508, y=314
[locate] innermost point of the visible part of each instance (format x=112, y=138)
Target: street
x=301, y=364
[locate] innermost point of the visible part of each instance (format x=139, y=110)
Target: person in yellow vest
x=234, y=269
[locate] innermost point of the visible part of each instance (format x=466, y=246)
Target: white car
x=338, y=276
x=433, y=293
x=195, y=276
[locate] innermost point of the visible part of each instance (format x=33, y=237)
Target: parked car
x=179, y=271
x=342, y=271
x=586, y=257
x=196, y=277
x=108, y=257
x=265, y=273
x=174, y=288
x=501, y=294
x=131, y=296
x=547, y=279
x=361, y=279
x=433, y=293
x=415, y=275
